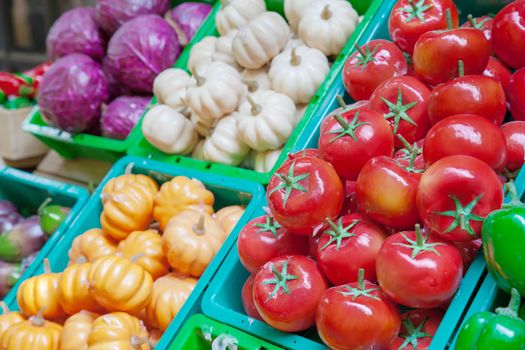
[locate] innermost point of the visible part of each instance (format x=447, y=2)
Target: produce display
x=19, y=90
x=247, y=89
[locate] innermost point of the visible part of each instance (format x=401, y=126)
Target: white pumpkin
x=294, y=41
x=260, y=40
x=198, y=151
x=223, y=49
x=201, y=54
x=235, y=13
x=327, y=25
x=200, y=127
x=299, y=72
x=217, y=93
x=266, y=120
x=170, y=87
x=301, y=108
x=224, y=144
x=168, y=130
x=264, y=161
x=293, y=9
x=256, y=79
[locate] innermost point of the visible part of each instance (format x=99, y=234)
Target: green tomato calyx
x=290, y=182
x=346, y=129
x=413, y=333
x=360, y=290
x=281, y=280
x=462, y=215
x=270, y=225
x=416, y=10
x=365, y=55
x=420, y=244
x=398, y=111
x=338, y=232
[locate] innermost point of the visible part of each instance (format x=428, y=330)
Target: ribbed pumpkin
x=169, y=295
x=179, y=194
x=146, y=247
x=92, y=244
x=33, y=334
x=73, y=289
x=118, y=331
x=118, y=284
x=127, y=210
x=227, y=217
x=9, y=318
x=118, y=183
x=154, y=336
x=41, y=293
x=76, y=331
x=191, y=240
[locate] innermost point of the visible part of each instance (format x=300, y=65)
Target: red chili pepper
x=37, y=73
x=13, y=85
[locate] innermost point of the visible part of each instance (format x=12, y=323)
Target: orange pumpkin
x=33, y=334
x=227, y=217
x=127, y=210
x=169, y=295
x=179, y=194
x=118, y=183
x=154, y=336
x=41, y=293
x=9, y=318
x=73, y=292
x=118, y=284
x=118, y=331
x=191, y=240
x=146, y=246
x=92, y=244
x=76, y=330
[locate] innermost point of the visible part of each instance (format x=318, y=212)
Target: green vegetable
x=489, y=331
x=17, y=103
x=51, y=216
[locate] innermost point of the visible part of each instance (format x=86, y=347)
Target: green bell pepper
x=503, y=236
x=489, y=331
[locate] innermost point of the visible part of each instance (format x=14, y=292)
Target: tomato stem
x=413, y=4
x=340, y=101
x=405, y=143
x=448, y=15
x=462, y=221
x=471, y=20
x=326, y=14
x=419, y=236
x=256, y=109
x=360, y=50
x=461, y=68
x=361, y=279
x=287, y=180
x=514, y=305
x=332, y=225
x=294, y=59
x=281, y=279
x=341, y=121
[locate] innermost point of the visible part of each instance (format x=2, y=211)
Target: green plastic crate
x=227, y=191
x=192, y=336
x=144, y=149
x=27, y=192
x=71, y=146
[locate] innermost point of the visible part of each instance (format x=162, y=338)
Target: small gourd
x=119, y=284
x=265, y=161
x=168, y=130
x=119, y=182
x=191, y=240
x=223, y=50
x=76, y=330
x=224, y=145
x=260, y=40
x=169, y=295
x=218, y=92
x=228, y=217
x=9, y=318
x=146, y=248
x=327, y=25
x=235, y=13
x=127, y=210
x=256, y=79
x=293, y=9
x=118, y=331
x=179, y=194
x=91, y=245
x=266, y=120
x=171, y=86
x=298, y=73
x=201, y=53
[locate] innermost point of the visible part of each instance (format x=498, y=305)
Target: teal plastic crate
x=143, y=148
x=227, y=192
x=27, y=192
x=83, y=145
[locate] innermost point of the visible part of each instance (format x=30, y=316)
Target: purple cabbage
x=115, y=89
x=72, y=92
x=140, y=50
x=111, y=14
x=76, y=31
x=186, y=19
x=9, y=216
x=121, y=115
x=10, y=273
x=24, y=239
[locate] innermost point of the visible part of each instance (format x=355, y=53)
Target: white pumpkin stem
x=326, y=14
x=47, y=266
x=198, y=228
x=38, y=319
x=5, y=308
x=200, y=79
x=294, y=59
x=251, y=84
x=256, y=109
x=137, y=341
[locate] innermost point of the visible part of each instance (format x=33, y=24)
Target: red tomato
x=508, y=34
x=403, y=101
x=313, y=241
x=247, y=299
x=404, y=154
x=303, y=192
x=410, y=19
x=358, y=135
x=372, y=64
x=468, y=251
x=418, y=271
x=437, y=53
x=483, y=23
x=514, y=133
x=467, y=134
x=474, y=94
x=386, y=192
x=308, y=152
x=286, y=292
x=417, y=329
x=350, y=202
x=516, y=93
x=455, y=194
x=350, y=244
x=357, y=316
x=499, y=71
x=263, y=239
